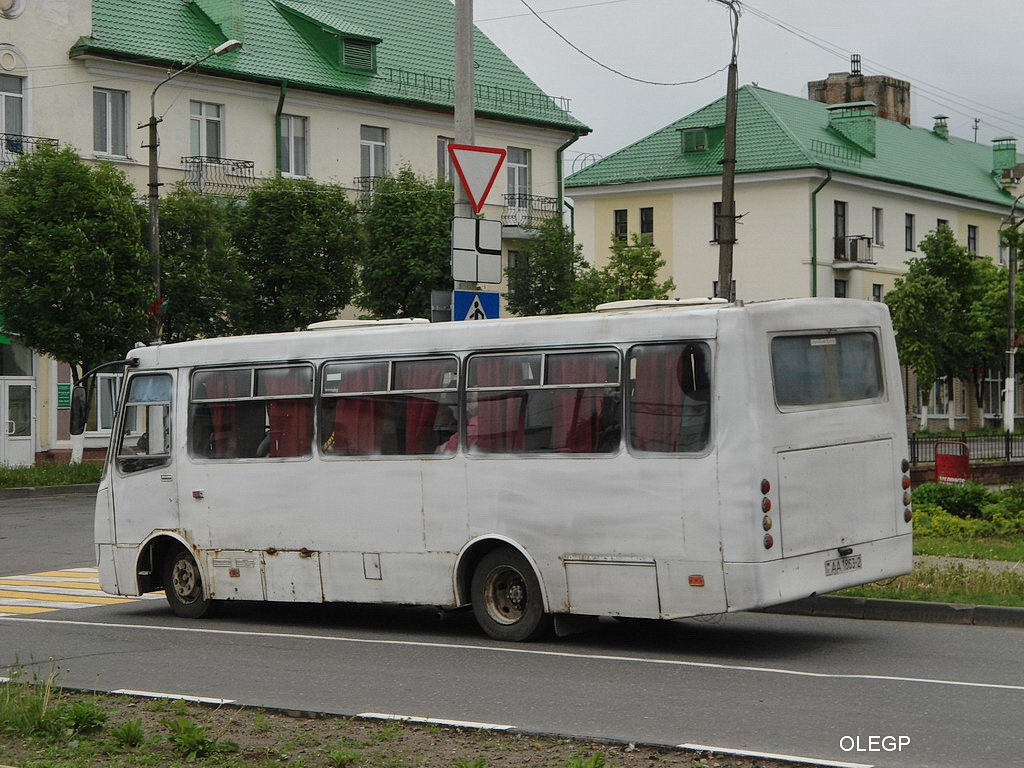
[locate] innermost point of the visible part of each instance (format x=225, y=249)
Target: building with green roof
x=832, y=199
x=332, y=90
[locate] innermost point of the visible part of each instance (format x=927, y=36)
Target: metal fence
x=1004, y=446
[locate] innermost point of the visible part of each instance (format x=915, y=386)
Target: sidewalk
x=48, y=490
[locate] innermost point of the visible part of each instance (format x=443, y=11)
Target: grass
x=1010, y=548
x=50, y=474
x=978, y=585
x=44, y=726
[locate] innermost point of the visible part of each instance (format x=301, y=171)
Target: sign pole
x=465, y=102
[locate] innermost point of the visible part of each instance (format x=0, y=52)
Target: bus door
x=145, y=493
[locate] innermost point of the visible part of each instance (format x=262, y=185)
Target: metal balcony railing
x=14, y=144
x=528, y=211
x=365, y=187
x=855, y=249
x=219, y=175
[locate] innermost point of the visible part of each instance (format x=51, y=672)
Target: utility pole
x=1010, y=388
x=727, y=216
x=465, y=105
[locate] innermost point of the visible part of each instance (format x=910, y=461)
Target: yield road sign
x=477, y=168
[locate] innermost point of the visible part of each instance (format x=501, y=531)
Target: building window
x=839, y=228
x=517, y=163
x=444, y=159
x=716, y=225
x=205, y=123
x=620, y=226
x=841, y=288
x=647, y=225
x=877, y=229
x=909, y=239
x=876, y=292
x=373, y=150
x=12, y=103
x=293, y=145
x=972, y=239
x=940, y=223
x=109, y=122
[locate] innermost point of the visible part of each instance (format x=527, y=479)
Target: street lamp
x=154, y=177
x=1009, y=392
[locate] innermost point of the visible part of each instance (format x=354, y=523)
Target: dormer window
x=695, y=139
x=338, y=41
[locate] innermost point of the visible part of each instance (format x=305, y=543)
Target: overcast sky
x=963, y=59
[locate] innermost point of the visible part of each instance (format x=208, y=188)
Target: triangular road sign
x=477, y=168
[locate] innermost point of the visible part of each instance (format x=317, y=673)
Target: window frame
x=291, y=149
x=128, y=464
x=200, y=126
x=909, y=225
x=647, y=224
x=113, y=129
x=8, y=98
x=972, y=239
x=517, y=175
x=879, y=362
x=620, y=223
x=373, y=151
x=877, y=227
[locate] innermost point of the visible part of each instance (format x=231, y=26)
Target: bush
x=933, y=520
x=966, y=501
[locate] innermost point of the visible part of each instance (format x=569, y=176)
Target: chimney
x=1004, y=153
x=856, y=123
x=891, y=96
x=941, y=128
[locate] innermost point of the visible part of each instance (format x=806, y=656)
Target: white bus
x=652, y=461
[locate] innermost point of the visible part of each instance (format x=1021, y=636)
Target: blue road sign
x=474, y=305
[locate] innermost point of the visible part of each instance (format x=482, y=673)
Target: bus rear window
x=825, y=369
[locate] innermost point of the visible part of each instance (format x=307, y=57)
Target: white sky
x=963, y=59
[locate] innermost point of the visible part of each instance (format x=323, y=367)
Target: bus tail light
x=696, y=580
x=905, y=483
x=769, y=541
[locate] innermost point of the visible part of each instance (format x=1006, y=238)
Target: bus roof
x=612, y=324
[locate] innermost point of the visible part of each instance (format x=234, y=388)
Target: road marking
x=532, y=652
x=437, y=721
x=772, y=756
x=173, y=696
x=46, y=591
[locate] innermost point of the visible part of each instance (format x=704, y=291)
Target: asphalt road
x=794, y=685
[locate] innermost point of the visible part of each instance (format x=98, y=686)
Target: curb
x=48, y=490
x=836, y=606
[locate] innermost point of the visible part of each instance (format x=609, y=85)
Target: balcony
x=14, y=144
x=528, y=211
x=365, y=186
x=219, y=175
x=853, y=251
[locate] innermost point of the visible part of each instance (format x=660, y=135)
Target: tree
x=547, y=267
x=299, y=245
x=201, y=272
x=950, y=313
x=76, y=281
x=408, y=236
x=631, y=273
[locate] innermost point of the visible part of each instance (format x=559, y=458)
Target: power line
x=601, y=64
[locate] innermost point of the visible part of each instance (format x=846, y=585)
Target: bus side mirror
x=79, y=409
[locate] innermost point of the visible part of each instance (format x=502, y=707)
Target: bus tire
x=183, y=586
x=507, y=599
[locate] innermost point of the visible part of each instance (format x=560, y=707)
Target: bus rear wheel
x=183, y=586
x=506, y=597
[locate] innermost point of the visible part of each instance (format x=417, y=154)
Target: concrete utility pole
x=1010, y=388
x=727, y=216
x=465, y=97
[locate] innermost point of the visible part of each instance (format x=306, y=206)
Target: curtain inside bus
x=671, y=398
x=577, y=413
x=421, y=410
x=500, y=416
x=290, y=420
x=358, y=421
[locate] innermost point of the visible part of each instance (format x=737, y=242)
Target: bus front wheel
x=506, y=597
x=183, y=586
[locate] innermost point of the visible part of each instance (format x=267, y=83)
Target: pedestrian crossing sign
x=474, y=305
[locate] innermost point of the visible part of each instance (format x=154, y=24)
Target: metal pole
x=465, y=97
x=154, y=179
x=727, y=218
x=1010, y=388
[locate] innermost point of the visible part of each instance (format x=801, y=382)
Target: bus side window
x=145, y=439
x=670, y=404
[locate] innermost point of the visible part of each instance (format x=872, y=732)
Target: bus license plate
x=842, y=565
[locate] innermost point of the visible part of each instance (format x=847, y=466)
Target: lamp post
x=154, y=177
x=1009, y=390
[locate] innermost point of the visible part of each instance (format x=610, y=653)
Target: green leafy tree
x=74, y=276
x=632, y=272
x=202, y=276
x=950, y=313
x=299, y=245
x=408, y=236
x=547, y=268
